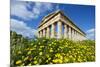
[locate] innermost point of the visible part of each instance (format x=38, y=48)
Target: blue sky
x=26, y=16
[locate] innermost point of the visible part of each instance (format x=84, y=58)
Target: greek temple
x=57, y=25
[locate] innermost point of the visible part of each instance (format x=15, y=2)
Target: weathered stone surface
x=71, y=31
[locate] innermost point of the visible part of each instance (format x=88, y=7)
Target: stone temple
x=57, y=25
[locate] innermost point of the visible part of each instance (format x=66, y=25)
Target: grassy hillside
x=49, y=51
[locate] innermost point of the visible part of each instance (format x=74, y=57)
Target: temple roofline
x=51, y=15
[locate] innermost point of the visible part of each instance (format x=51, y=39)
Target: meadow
x=41, y=51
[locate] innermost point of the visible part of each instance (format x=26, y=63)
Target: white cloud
x=19, y=8
x=21, y=28
x=90, y=30
x=41, y=6
x=91, y=34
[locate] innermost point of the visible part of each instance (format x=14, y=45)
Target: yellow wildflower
x=31, y=48
x=39, y=43
x=47, y=55
x=34, y=45
x=60, y=61
x=34, y=58
x=18, y=62
x=70, y=56
x=29, y=52
x=49, y=44
x=25, y=58
x=27, y=49
x=66, y=59
x=40, y=53
x=40, y=49
x=35, y=62
x=61, y=57
x=46, y=60
x=19, y=52
x=30, y=64
x=44, y=40
x=51, y=50
x=80, y=60
x=54, y=61
x=22, y=64
x=49, y=58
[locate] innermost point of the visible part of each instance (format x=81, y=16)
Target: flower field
x=41, y=51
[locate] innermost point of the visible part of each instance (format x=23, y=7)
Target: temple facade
x=57, y=25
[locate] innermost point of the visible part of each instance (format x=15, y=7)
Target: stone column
x=65, y=31
x=78, y=36
x=52, y=31
x=40, y=34
x=48, y=32
x=69, y=32
x=59, y=29
x=72, y=34
x=43, y=32
x=75, y=37
x=82, y=37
